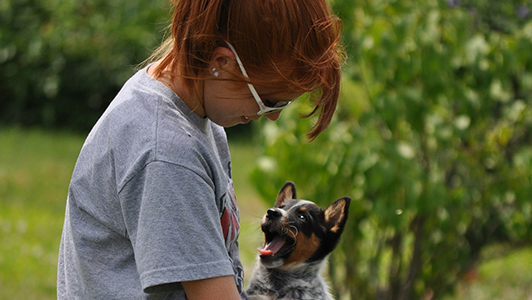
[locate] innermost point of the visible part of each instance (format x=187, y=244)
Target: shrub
x=432, y=140
x=62, y=62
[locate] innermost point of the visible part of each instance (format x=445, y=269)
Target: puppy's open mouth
x=277, y=245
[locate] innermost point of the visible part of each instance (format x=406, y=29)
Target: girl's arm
x=217, y=288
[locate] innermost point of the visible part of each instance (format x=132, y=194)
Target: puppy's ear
x=336, y=215
x=288, y=192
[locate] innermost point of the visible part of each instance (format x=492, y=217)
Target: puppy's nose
x=273, y=213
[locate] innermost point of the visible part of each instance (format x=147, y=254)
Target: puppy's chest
x=274, y=287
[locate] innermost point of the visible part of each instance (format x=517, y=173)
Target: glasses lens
x=277, y=105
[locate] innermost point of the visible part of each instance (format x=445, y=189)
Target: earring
x=215, y=72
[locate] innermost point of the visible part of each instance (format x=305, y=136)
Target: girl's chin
x=244, y=120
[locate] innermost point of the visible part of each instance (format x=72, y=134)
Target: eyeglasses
x=263, y=107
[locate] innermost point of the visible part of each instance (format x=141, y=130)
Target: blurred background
x=432, y=140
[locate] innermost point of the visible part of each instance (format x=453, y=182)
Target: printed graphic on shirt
x=230, y=218
x=230, y=221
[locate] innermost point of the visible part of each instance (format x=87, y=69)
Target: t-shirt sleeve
x=173, y=223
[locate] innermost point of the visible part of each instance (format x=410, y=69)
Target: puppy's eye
x=302, y=217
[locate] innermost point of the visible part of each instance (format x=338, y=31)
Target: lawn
x=35, y=169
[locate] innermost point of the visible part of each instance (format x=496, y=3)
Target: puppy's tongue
x=272, y=247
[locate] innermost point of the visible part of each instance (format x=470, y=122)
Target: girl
x=151, y=211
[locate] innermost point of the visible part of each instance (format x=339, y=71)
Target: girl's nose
x=273, y=116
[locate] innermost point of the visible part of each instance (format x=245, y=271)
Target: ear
x=336, y=215
x=222, y=58
x=288, y=192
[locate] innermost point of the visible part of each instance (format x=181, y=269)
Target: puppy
x=298, y=237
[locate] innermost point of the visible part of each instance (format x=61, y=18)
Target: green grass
x=35, y=170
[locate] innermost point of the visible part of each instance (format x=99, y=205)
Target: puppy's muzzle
x=273, y=214
x=278, y=238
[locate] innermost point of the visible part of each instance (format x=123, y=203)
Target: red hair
x=287, y=45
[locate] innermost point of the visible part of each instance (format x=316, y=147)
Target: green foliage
x=62, y=62
x=432, y=140
x=504, y=277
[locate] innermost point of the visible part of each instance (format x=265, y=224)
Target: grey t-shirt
x=150, y=203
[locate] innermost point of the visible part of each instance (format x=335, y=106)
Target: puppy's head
x=298, y=231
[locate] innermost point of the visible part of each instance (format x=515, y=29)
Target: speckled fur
x=305, y=283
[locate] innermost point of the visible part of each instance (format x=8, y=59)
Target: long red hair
x=287, y=45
